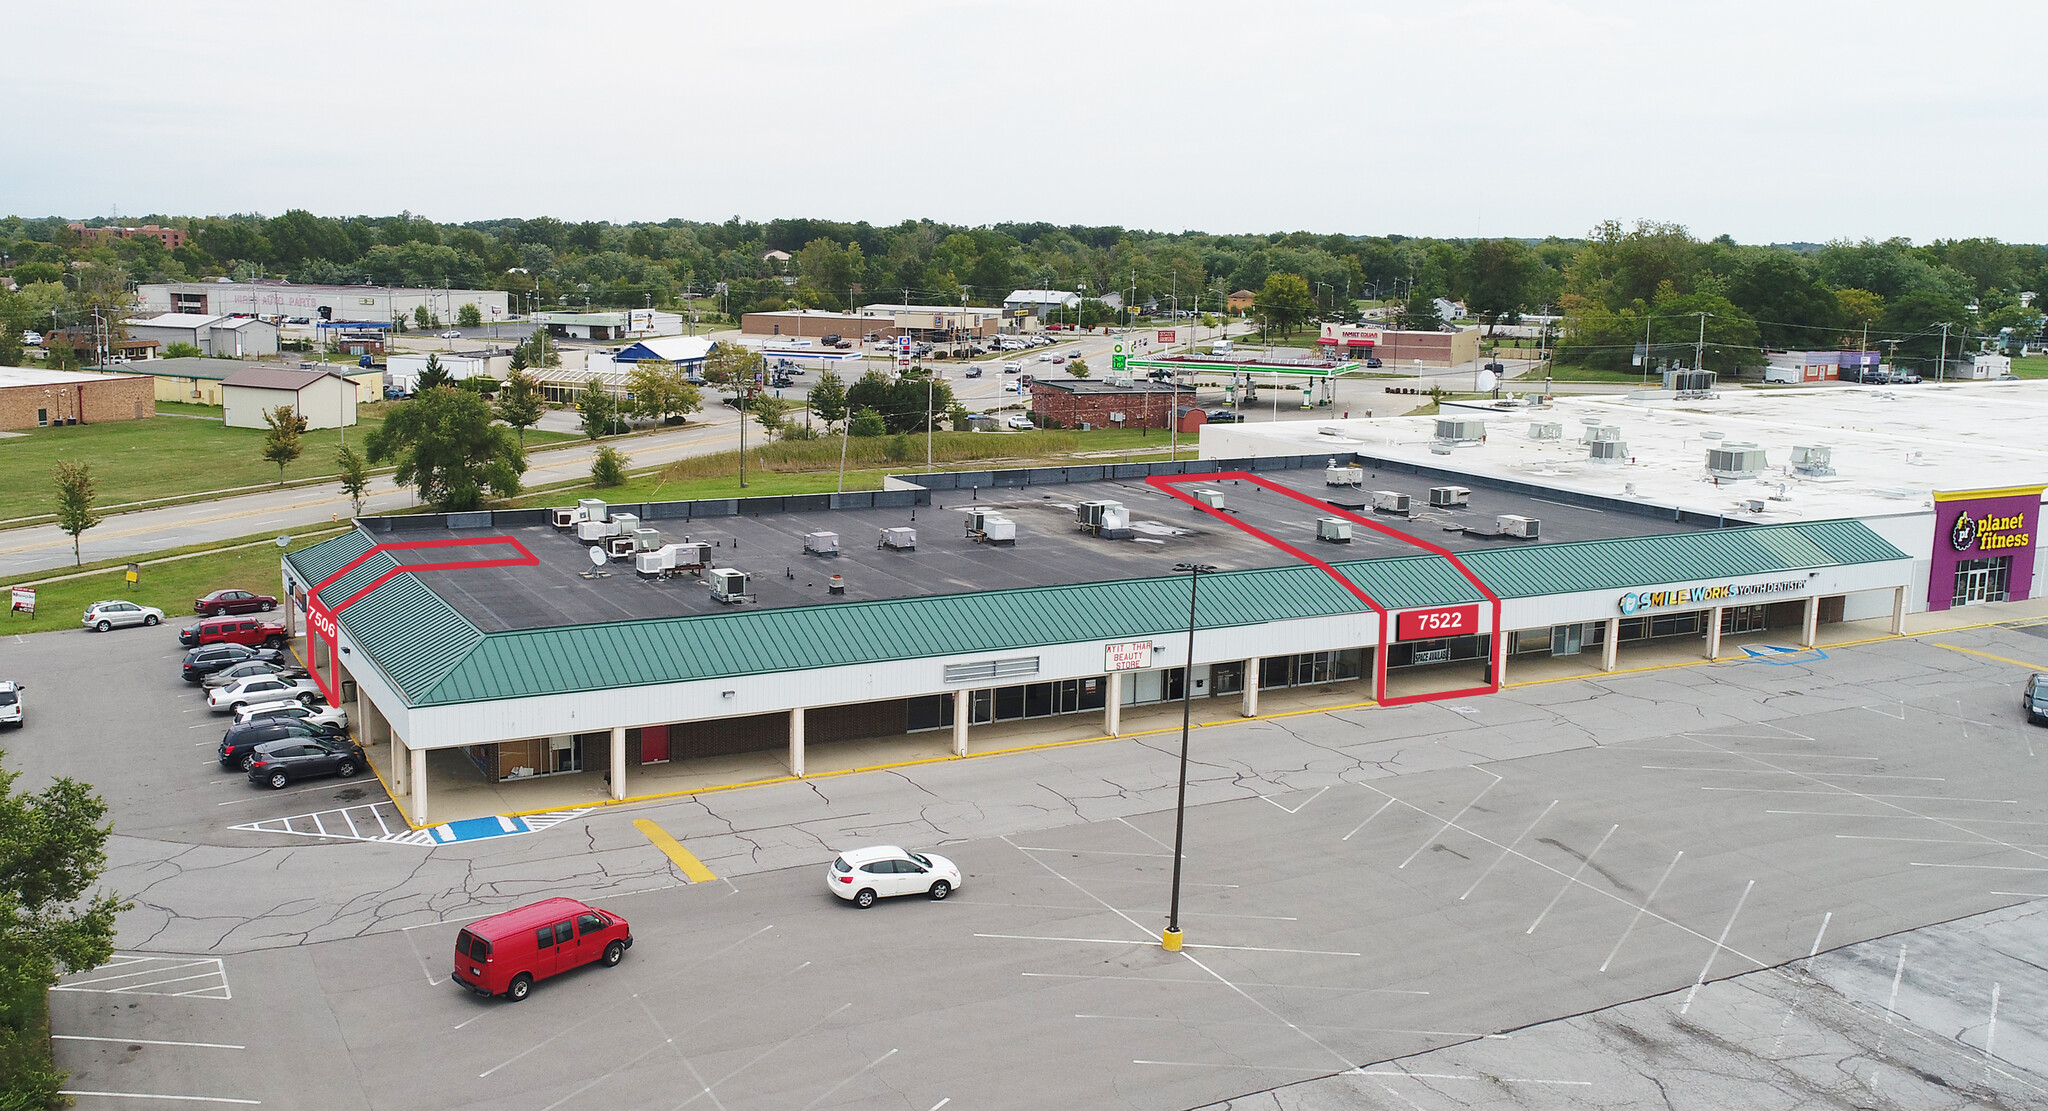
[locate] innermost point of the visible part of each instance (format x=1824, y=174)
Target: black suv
x=238, y=744
x=209, y=658
x=279, y=762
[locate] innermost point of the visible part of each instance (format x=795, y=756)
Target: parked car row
x=281, y=730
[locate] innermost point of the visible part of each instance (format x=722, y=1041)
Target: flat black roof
x=1050, y=549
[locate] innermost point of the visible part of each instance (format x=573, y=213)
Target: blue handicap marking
x=1779, y=655
x=478, y=829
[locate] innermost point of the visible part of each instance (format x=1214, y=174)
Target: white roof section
x=233, y=323
x=37, y=376
x=1042, y=297
x=1891, y=446
x=180, y=320
x=675, y=349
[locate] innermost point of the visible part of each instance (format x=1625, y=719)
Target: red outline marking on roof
x=1166, y=483
x=321, y=625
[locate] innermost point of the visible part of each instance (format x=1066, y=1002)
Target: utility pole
x=1646, y=345
x=1699, y=349
x=1941, y=366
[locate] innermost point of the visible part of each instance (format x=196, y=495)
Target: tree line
x=1609, y=283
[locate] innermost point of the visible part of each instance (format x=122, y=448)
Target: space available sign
x=1984, y=524
x=1665, y=597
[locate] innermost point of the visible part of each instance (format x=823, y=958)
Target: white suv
x=10, y=704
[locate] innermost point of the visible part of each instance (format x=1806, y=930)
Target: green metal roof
x=437, y=657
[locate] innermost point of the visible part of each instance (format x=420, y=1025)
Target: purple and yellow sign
x=1984, y=543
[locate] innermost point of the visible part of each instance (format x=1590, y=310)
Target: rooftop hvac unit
x=1458, y=431
x=1689, y=381
x=593, y=509
x=1732, y=461
x=1813, y=460
x=1390, y=501
x=1546, y=430
x=1754, y=505
x=594, y=531
x=986, y=526
x=620, y=547
x=626, y=524
x=1522, y=528
x=1211, y=498
x=566, y=519
x=692, y=554
x=822, y=543
x=1104, y=518
x=898, y=539
x=1336, y=530
x=657, y=564
x=1446, y=497
x=729, y=586
x=1604, y=433
x=1607, y=451
x=1334, y=475
x=646, y=540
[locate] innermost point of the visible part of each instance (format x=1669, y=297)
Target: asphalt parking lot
x=1504, y=885
x=111, y=708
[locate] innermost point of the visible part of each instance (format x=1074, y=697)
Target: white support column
x=1809, y=630
x=1250, y=705
x=1610, y=644
x=963, y=703
x=419, y=786
x=1714, y=633
x=1113, y=705
x=401, y=760
x=618, y=775
x=1898, y=611
x=796, y=742
x=1497, y=661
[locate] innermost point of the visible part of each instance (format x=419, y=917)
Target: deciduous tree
x=828, y=398
x=519, y=402
x=1284, y=302
x=355, y=477
x=446, y=447
x=76, y=490
x=599, y=408
x=285, y=440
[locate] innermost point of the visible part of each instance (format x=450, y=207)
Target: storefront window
x=1982, y=580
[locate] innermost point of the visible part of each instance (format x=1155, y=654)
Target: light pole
x=1194, y=571
x=1699, y=349
x=1646, y=345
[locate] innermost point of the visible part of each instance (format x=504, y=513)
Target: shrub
x=608, y=467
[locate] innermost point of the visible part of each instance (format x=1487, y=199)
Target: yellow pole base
x=1171, y=939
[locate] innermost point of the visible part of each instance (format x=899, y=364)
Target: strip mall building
x=771, y=629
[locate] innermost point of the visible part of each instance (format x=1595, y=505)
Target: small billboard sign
x=24, y=600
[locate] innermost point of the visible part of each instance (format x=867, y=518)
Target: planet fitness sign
x=1983, y=524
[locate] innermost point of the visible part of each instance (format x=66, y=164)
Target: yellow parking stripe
x=692, y=868
x=1989, y=656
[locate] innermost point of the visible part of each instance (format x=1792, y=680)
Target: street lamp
x=1194, y=571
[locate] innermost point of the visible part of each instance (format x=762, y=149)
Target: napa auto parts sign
x=1977, y=525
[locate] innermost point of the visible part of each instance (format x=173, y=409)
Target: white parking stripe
x=150, y=1095
x=142, y=1041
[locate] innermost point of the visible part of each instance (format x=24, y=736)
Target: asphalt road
x=1361, y=886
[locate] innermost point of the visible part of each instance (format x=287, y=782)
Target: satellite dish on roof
x=597, y=557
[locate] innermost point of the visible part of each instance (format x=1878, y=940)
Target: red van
x=246, y=631
x=505, y=953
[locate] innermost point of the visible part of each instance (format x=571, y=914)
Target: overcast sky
x=1772, y=122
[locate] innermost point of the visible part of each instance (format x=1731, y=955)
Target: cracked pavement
x=1364, y=887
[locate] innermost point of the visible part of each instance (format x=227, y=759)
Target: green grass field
x=2031, y=366
x=169, y=456
x=812, y=466
x=251, y=564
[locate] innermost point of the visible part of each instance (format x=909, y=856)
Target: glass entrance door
x=1975, y=586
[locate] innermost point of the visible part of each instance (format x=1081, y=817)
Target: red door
x=654, y=744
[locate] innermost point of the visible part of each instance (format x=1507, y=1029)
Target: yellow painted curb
x=692, y=867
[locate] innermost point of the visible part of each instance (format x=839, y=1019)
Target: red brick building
x=171, y=238
x=33, y=398
x=1077, y=401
